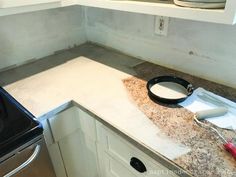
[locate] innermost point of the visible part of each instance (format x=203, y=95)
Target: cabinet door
x=19, y=3
x=54, y=151
x=79, y=155
x=71, y=130
x=119, y=154
x=111, y=167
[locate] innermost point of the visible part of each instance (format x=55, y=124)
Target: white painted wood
x=87, y=124
x=167, y=9
x=110, y=167
x=64, y=123
x=117, y=154
x=57, y=161
x=231, y=10
x=71, y=82
x=80, y=155
x=74, y=133
x=29, y=8
x=65, y=3
x=38, y=34
x=22, y=6
x=17, y=3
x=47, y=133
x=54, y=151
x=231, y=6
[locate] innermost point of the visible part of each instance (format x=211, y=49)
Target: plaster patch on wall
x=38, y=34
x=192, y=53
x=202, y=56
x=213, y=46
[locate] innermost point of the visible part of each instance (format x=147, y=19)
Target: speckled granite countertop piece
x=207, y=157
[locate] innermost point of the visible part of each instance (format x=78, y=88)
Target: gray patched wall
x=207, y=50
x=34, y=35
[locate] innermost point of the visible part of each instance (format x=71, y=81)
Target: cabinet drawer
x=64, y=123
x=123, y=151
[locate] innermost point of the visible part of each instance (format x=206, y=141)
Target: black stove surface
x=17, y=125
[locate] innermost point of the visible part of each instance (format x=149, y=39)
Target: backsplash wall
x=206, y=50
x=28, y=36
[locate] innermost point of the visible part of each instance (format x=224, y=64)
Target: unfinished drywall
x=206, y=50
x=34, y=35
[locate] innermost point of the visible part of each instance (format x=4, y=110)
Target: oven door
x=31, y=160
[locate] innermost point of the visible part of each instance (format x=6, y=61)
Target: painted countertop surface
x=98, y=88
x=98, y=82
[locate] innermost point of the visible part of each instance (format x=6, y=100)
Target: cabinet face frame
x=117, y=150
x=223, y=16
x=68, y=135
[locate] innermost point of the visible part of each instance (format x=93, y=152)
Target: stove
x=17, y=125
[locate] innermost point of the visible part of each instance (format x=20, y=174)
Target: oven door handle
x=26, y=163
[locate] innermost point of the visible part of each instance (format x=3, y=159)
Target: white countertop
x=98, y=88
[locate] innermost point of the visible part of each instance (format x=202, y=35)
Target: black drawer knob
x=137, y=165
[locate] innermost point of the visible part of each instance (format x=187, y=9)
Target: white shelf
x=10, y=7
x=19, y=3
x=225, y=16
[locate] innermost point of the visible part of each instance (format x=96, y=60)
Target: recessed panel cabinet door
x=119, y=158
x=79, y=155
x=18, y=3
x=110, y=167
x=54, y=151
x=74, y=133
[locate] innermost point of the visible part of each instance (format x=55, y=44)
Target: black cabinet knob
x=137, y=165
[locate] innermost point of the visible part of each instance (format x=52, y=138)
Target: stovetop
x=17, y=125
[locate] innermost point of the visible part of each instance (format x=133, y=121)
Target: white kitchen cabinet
x=80, y=146
x=18, y=3
x=73, y=144
x=110, y=167
x=158, y=7
x=10, y=7
x=116, y=156
x=79, y=155
x=54, y=151
x=169, y=9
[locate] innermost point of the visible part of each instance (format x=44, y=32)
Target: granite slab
x=207, y=156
